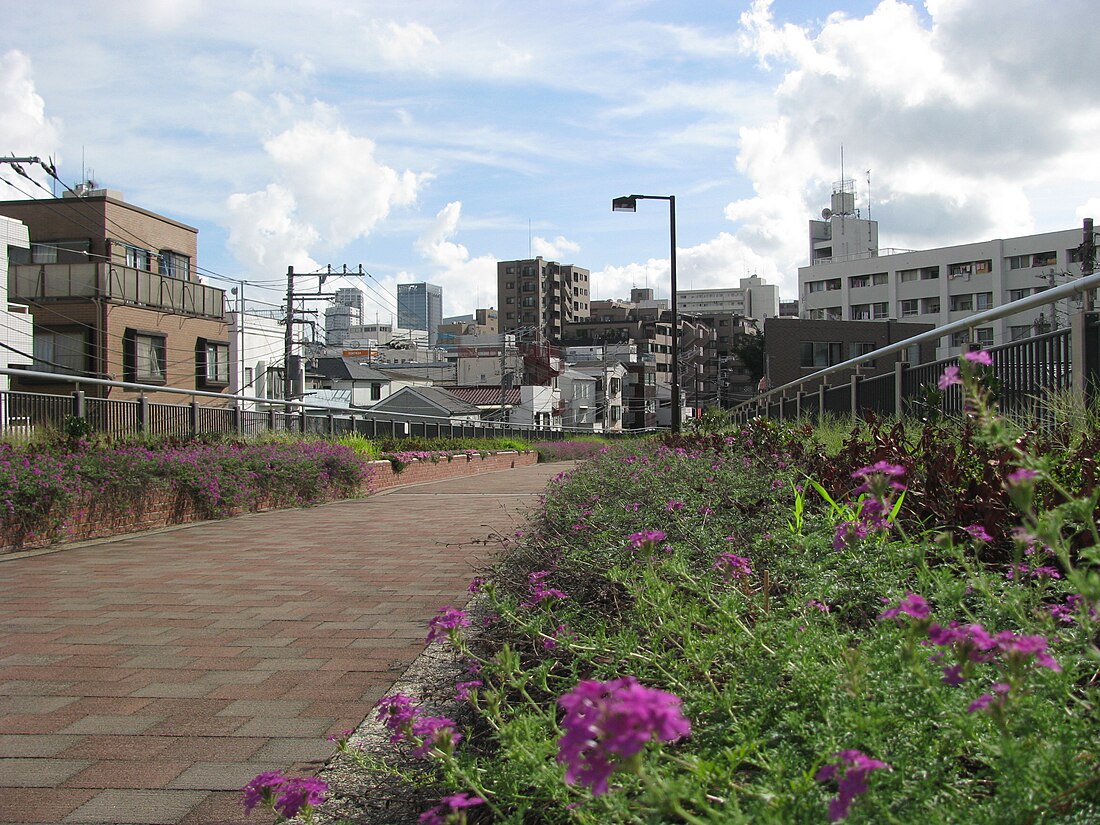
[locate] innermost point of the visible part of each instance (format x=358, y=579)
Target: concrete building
x=795, y=347
x=114, y=292
x=935, y=286
x=345, y=313
x=420, y=307
x=542, y=295
x=479, y=322
x=257, y=349
x=751, y=298
x=16, y=324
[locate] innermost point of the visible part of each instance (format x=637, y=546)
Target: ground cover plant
x=747, y=628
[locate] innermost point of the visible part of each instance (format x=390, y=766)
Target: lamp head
x=627, y=203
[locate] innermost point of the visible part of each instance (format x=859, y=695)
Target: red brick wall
x=161, y=508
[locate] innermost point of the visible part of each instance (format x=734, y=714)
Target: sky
x=425, y=140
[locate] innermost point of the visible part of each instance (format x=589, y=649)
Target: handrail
x=996, y=313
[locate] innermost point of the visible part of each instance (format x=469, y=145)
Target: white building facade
x=16, y=325
x=751, y=298
x=941, y=285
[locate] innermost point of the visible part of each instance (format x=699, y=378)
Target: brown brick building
x=541, y=294
x=114, y=294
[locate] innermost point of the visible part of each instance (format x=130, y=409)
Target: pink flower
x=734, y=566
x=606, y=723
x=441, y=813
x=645, y=538
x=979, y=356
x=949, y=378
x=447, y=622
x=912, y=605
x=397, y=713
x=299, y=793
x=850, y=771
x=1022, y=476
x=262, y=789
x=978, y=532
x=434, y=732
x=463, y=689
x=674, y=505
x=539, y=591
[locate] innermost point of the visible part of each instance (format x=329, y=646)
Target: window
x=1019, y=262
x=983, y=300
x=962, y=303
x=819, y=354
x=817, y=315
x=857, y=281
x=376, y=391
x=880, y=310
x=908, y=275
x=880, y=278
x=509, y=284
x=60, y=351
x=908, y=308
x=860, y=312
x=212, y=363
x=959, y=339
x=510, y=300
x=43, y=253
x=1019, y=333
x=1044, y=259
x=1018, y=294
x=834, y=314
x=248, y=381
x=930, y=273
x=175, y=265
x=930, y=306
x=529, y=301
x=145, y=357
x=815, y=286
x=511, y=316
x=137, y=258
x=858, y=348
x=984, y=336
x=509, y=270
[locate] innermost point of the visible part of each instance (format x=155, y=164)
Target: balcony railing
x=121, y=284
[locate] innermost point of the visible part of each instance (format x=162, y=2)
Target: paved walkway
x=146, y=679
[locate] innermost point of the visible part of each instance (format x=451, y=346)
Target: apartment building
x=938, y=286
x=541, y=295
x=114, y=293
x=751, y=298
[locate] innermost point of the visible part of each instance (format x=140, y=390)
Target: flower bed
x=699, y=632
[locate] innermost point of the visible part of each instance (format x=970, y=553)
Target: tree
x=749, y=347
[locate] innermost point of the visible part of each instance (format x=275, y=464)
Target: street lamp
x=629, y=203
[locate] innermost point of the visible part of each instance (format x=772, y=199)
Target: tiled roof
x=487, y=396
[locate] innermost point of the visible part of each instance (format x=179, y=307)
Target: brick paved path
x=146, y=679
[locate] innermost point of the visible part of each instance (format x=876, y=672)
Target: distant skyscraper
x=420, y=306
x=346, y=312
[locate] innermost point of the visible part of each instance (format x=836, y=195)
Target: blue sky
x=427, y=140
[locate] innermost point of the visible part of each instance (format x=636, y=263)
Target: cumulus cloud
x=554, y=250
x=27, y=129
x=468, y=283
x=330, y=190
x=959, y=133
x=400, y=45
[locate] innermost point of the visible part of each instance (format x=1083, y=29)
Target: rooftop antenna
x=530, y=253
x=868, y=194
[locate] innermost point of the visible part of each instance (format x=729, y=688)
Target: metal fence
x=24, y=413
x=1023, y=377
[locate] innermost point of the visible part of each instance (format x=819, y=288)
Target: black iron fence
x=1023, y=377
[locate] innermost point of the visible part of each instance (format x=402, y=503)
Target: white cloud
x=330, y=191
x=468, y=283
x=554, y=250
x=400, y=45
x=28, y=132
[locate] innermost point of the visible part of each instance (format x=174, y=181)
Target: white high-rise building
x=849, y=278
x=345, y=313
x=751, y=298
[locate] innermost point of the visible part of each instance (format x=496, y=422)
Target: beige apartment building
x=114, y=294
x=541, y=295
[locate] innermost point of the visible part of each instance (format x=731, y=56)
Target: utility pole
x=292, y=362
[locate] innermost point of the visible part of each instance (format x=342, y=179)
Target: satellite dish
x=826, y=213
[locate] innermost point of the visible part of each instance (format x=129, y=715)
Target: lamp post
x=629, y=203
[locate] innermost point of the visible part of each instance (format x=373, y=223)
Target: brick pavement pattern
x=145, y=679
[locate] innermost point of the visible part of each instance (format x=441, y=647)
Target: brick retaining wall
x=164, y=508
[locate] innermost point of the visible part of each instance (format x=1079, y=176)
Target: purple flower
x=978, y=532
x=1021, y=649
x=261, y=790
x=1023, y=475
x=734, y=566
x=441, y=813
x=434, y=732
x=979, y=356
x=847, y=532
x=912, y=605
x=673, y=505
x=463, y=689
x=447, y=622
x=949, y=378
x=818, y=605
x=606, y=723
x=539, y=591
x=987, y=699
x=884, y=468
x=397, y=713
x=646, y=537
x=850, y=770
x=298, y=793
x=476, y=583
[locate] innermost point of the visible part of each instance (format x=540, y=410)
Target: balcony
x=42, y=283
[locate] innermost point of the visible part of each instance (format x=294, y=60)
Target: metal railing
x=24, y=413
x=1024, y=372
